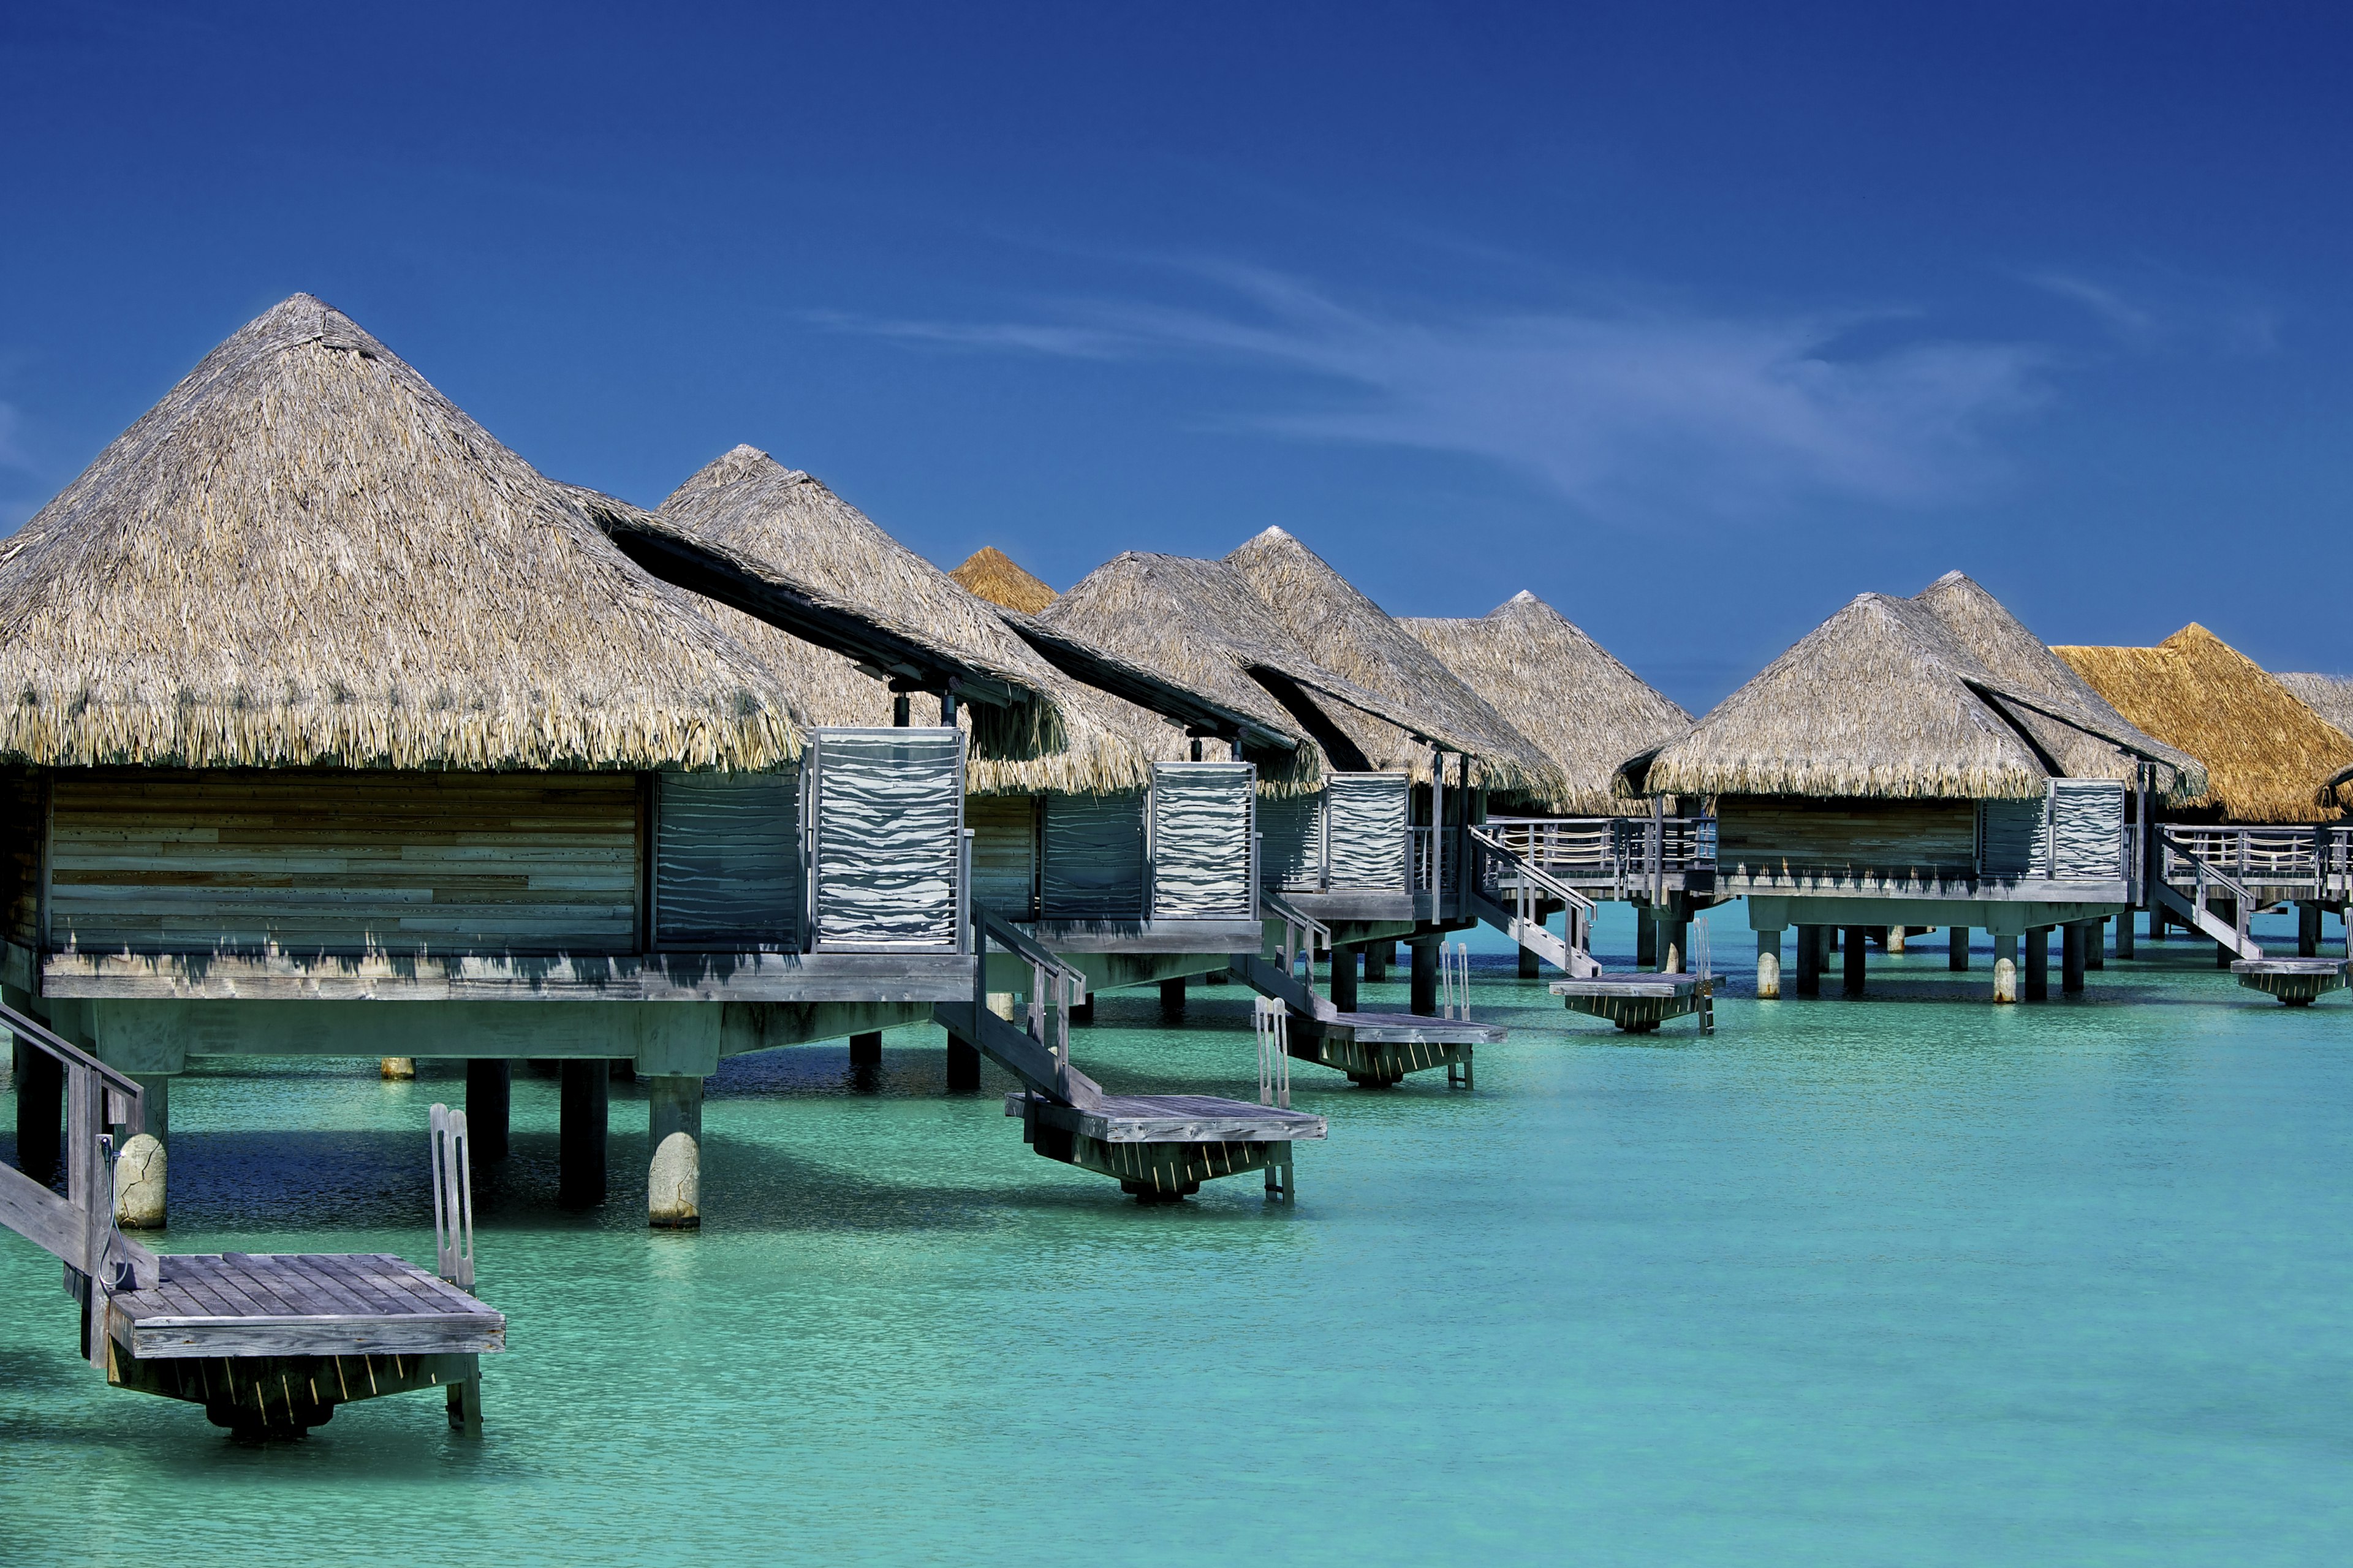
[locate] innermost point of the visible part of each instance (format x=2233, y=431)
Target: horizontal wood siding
x=327, y=862
x=23, y=822
x=1004, y=853
x=1771, y=838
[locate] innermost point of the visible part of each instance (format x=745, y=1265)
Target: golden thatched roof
x=1346, y=633
x=1879, y=701
x=305, y=555
x=1561, y=689
x=1198, y=623
x=1073, y=739
x=991, y=574
x=1983, y=627
x=2268, y=757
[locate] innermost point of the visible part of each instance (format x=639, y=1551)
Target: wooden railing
x=78, y=1228
x=2316, y=856
x=1522, y=884
x=1303, y=934
x=1622, y=856
x=2208, y=880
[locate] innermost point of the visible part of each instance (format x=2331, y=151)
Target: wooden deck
x=1170, y=1119
x=310, y=1304
x=2296, y=981
x=1639, y=1003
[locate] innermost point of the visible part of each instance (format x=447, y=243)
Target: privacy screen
x=1201, y=840
x=888, y=810
x=1365, y=816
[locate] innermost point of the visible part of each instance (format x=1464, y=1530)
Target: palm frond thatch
x=2267, y=755
x=1346, y=633
x=1878, y=701
x=306, y=556
x=1198, y=623
x=991, y=574
x=1074, y=739
x=1561, y=689
x=1984, y=626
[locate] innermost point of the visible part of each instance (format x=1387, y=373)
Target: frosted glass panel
x=888, y=814
x=1201, y=840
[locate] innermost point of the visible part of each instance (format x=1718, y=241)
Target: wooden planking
x=245, y=1304
x=345, y=862
x=1771, y=837
x=23, y=825
x=671, y=976
x=1004, y=853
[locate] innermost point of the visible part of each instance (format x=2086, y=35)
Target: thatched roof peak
x=991, y=574
x=305, y=555
x=1983, y=627
x=1341, y=629
x=1880, y=700
x=791, y=526
x=2268, y=757
x=1559, y=687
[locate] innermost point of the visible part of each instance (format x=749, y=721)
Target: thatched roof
x=1073, y=739
x=991, y=574
x=2330, y=696
x=1983, y=625
x=1197, y=623
x=305, y=555
x=1348, y=633
x=1561, y=689
x=2267, y=757
x=1879, y=701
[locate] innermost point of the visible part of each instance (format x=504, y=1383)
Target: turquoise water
x=1910, y=1280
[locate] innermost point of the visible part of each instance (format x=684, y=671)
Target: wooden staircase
x=2193, y=911
x=1160, y=1148
x=1373, y=1048
x=1507, y=890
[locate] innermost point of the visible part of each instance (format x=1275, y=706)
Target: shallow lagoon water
x=1916, y=1279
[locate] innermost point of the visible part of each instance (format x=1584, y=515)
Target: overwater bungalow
x=1881, y=773
x=326, y=700
x=1351, y=854
x=1105, y=850
x=1588, y=711
x=1098, y=823
x=2269, y=827
x=992, y=575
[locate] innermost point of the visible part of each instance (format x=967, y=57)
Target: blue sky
x=1695, y=319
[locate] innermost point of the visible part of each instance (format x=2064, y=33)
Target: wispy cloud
x=2150, y=308
x=1626, y=411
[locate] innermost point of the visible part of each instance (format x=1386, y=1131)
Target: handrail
x=34, y=1033
x=1050, y=1025
x=452, y=1155
x=1301, y=932
x=79, y=1229
x=1520, y=866
x=2241, y=901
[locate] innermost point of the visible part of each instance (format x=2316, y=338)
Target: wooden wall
x=24, y=822
x=1768, y=836
x=1004, y=853
x=345, y=862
